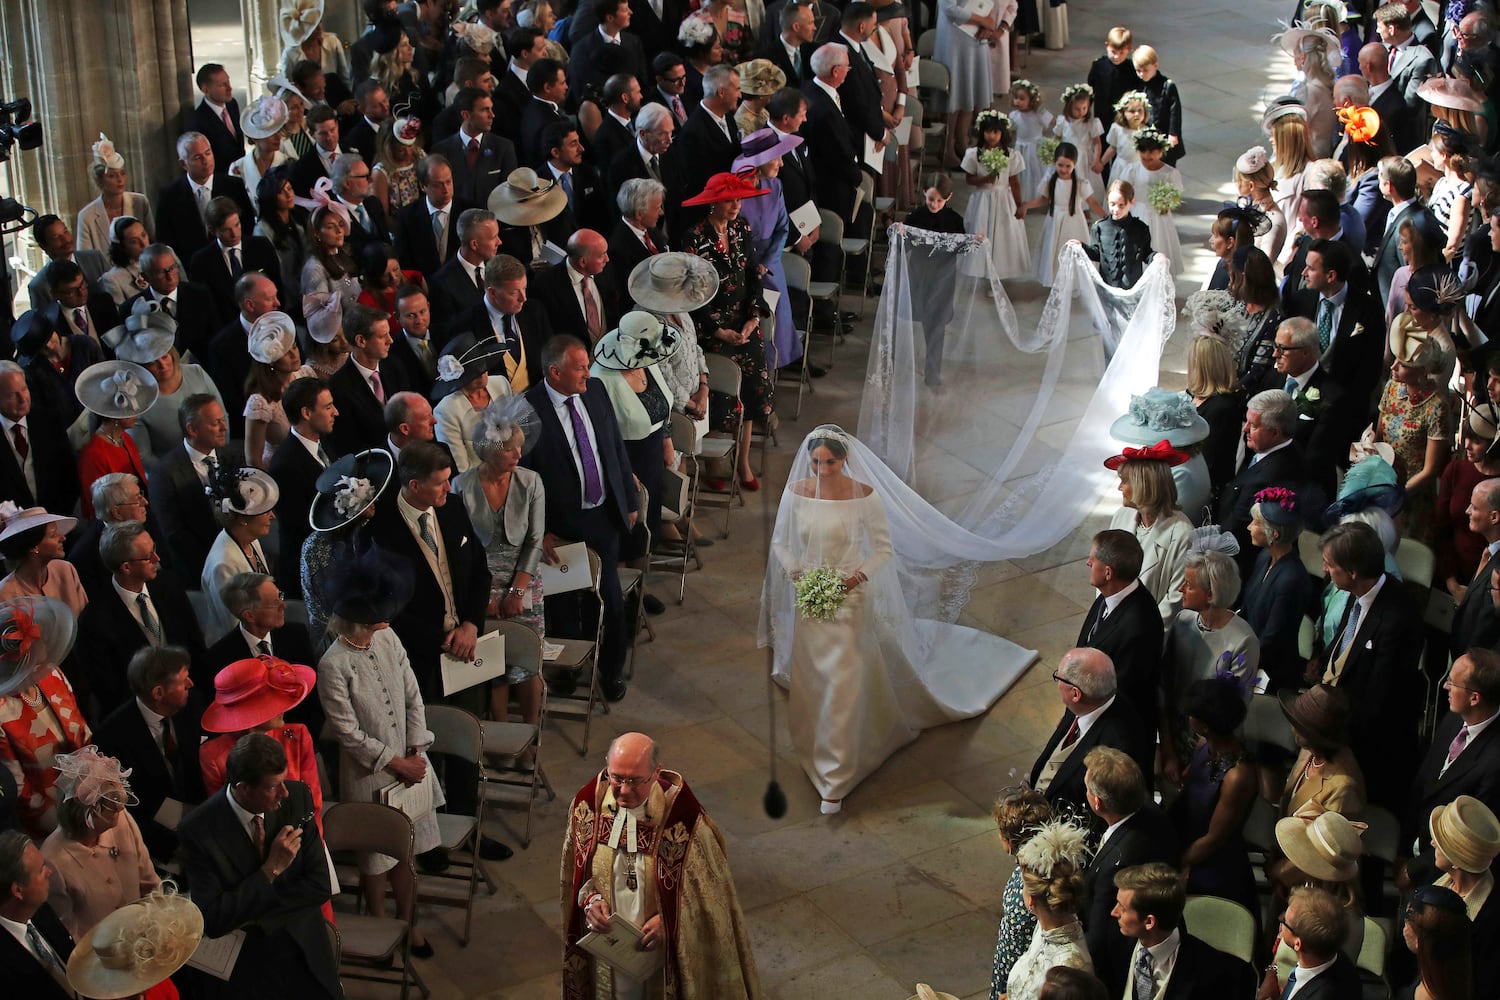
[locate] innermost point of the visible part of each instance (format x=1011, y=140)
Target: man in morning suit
x=363, y=384
x=1398, y=185
x=374, y=108
x=638, y=234
x=217, y=117
x=1386, y=98
x=1348, y=318
x=507, y=328
x=860, y=91
x=318, y=162
x=53, y=237
x=652, y=157
x=1092, y=717
x=352, y=187
x=257, y=864
x=1463, y=758
x=1136, y=832
x=1328, y=418
x=412, y=344
x=1124, y=622
x=591, y=494
x=427, y=229
x=144, y=606
x=116, y=496
x=188, y=303
x=583, y=294
x=709, y=140
x=75, y=309
x=296, y=465
x=228, y=358
x=34, y=945
x=1375, y=660
x=177, y=480
x=231, y=253
x=548, y=83
x=1314, y=926
x=587, y=65
x=657, y=32
x=1477, y=621
x=259, y=607
x=586, y=206
x=25, y=476
x=830, y=141
x=1167, y=961
x=478, y=158
x=1273, y=459
x=1410, y=61
x=792, y=49
x=526, y=46
x=183, y=204
x=156, y=734
x=616, y=131
x=458, y=286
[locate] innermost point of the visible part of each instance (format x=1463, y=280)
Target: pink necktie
x=81, y=320
x=376, y=387
x=591, y=311
x=1457, y=746
x=228, y=121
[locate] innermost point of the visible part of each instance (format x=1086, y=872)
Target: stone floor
x=905, y=884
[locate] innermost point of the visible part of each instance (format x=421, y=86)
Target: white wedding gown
x=864, y=684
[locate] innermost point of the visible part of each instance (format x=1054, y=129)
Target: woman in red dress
x=116, y=393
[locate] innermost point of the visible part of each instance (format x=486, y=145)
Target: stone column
x=262, y=42
x=123, y=68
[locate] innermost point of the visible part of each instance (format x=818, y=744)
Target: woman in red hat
x=1149, y=510
x=730, y=323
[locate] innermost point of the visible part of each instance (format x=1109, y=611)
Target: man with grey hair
x=458, y=286
x=1328, y=418
x=30, y=435
x=35, y=947
x=228, y=355
x=1477, y=620
x=142, y=606
x=652, y=157
x=189, y=304
x=709, y=140
x=1092, y=716
x=352, y=187
x=1273, y=458
x=117, y=496
x=181, y=206
x=259, y=609
x=638, y=234
x=830, y=139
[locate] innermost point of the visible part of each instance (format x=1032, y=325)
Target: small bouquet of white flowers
x=1046, y=148
x=994, y=161
x=1164, y=197
x=820, y=593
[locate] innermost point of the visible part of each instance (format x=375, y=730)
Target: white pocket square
x=1369, y=643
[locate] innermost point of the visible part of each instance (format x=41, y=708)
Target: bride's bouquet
x=820, y=594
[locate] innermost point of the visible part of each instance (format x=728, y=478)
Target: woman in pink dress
x=32, y=543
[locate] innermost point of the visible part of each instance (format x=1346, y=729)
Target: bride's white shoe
x=831, y=806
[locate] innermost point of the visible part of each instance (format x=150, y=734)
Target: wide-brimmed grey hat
x=524, y=199
x=271, y=336
x=116, y=389
x=673, y=282
x=148, y=333
x=264, y=117
x=641, y=340
x=1160, y=415
x=36, y=634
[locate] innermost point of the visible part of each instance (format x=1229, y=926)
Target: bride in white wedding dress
x=866, y=682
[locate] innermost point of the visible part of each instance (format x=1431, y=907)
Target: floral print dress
x=1407, y=423
x=1017, y=924
x=737, y=302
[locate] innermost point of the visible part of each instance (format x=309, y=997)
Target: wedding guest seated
x=244, y=503
x=1148, y=509
x=1175, y=963
x=97, y=859
x=1321, y=849
x=1124, y=622
x=32, y=543
x=157, y=734
x=1277, y=589
x=1205, y=641
x=138, y=947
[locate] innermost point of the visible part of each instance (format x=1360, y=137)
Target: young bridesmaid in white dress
x=994, y=199
x=1068, y=197
x=1031, y=121
x=1148, y=171
x=1079, y=125
x=1132, y=114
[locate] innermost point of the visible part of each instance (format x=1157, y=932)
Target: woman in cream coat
x=1149, y=510
x=108, y=168
x=459, y=396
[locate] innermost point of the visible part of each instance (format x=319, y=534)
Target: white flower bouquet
x=820, y=594
x=1046, y=148
x=1164, y=197
x=994, y=161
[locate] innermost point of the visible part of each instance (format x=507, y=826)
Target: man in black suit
x=182, y=205
x=230, y=255
x=1328, y=418
x=458, y=286
x=591, y=495
x=1314, y=926
x=56, y=240
x=791, y=50
x=75, y=309
x=217, y=117
x=510, y=330
x=652, y=157
x=144, y=607
x=116, y=496
x=860, y=91
x=229, y=351
x=607, y=49
x=670, y=86
x=1321, y=218
x=1477, y=622
x=638, y=234
x=412, y=345
x=1375, y=659
x=478, y=158
x=26, y=476
x=1386, y=98
x=369, y=378
x=156, y=734
x=296, y=464
x=616, y=131
x=38, y=968
x=825, y=23
x=709, y=140
x=1148, y=914
x=468, y=71
x=830, y=140
x=1398, y=185
x=587, y=206
x=427, y=229
x=1462, y=759
x=1136, y=832
x=1112, y=76
x=1273, y=459
x=1124, y=622
x=657, y=32
x=1092, y=716
x=189, y=304
x=547, y=83
x=374, y=109
x=259, y=606
x=257, y=864
x=526, y=46
x=367, y=221
x=446, y=611
x=584, y=294
x=177, y=480
x=318, y=162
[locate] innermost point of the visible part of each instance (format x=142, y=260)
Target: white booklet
x=620, y=947
x=806, y=218
x=216, y=956
x=571, y=572
x=914, y=75
x=902, y=131
x=874, y=158
x=980, y=8
x=553, y=254
x=488, y=663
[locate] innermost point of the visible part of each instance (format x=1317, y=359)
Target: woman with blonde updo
x=1051, y=865
x=1254, y=178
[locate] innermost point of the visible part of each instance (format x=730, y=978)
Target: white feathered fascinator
x=1054, y=841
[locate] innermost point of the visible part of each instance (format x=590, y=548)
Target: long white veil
x=1011, y=448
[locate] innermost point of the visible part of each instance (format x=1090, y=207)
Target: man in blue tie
x=351, y=183
x=34, y=946
x=1167, y=963
x=591, y=494
x=1314, y=926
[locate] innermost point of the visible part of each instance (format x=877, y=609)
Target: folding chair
x=799, y=277
x=826, y=292
x=932, y=85
x=926, y=43
x=1381, y=839
x=861, y=246
x=369, y=945
x=506, y=745
x=1265, y=723
x=677, y=507
x=831, y=233
x=296, y=612
x=1221, y=923
x=456, y=734
x=723, y=377
x=633, y=585
x=575, y=656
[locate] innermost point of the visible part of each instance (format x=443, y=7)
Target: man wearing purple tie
x=591, y=494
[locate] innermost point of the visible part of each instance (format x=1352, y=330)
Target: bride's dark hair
x=834, y=444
